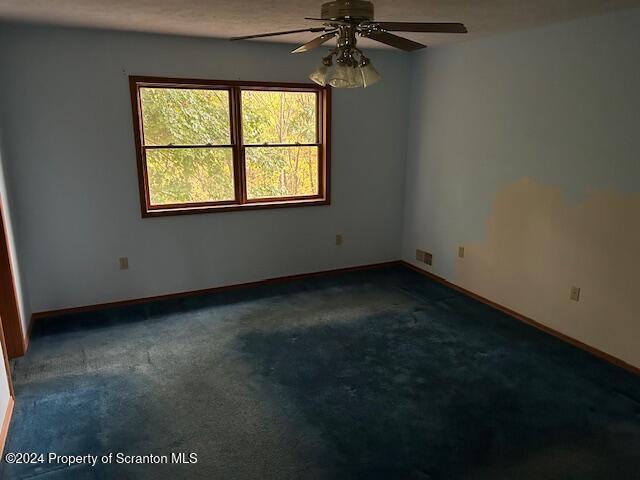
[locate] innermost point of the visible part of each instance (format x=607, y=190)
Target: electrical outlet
x=124, y=263
x=461, y=252
x=339, y=239
x=575, y=294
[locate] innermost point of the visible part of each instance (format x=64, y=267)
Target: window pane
x=185, y=116
x=281, y=171
x=278, y=117
x=186, y=175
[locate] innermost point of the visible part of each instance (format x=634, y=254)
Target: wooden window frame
x=241, y=202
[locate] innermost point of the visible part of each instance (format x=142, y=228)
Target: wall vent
x=424, y=257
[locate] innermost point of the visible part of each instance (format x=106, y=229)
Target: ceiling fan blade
x=396, y=41
x=315, y=43
x=423, y=27
x=246, y=37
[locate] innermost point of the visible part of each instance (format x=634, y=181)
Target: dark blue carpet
x=373, y=374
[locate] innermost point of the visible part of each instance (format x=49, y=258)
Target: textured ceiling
x=226, y=18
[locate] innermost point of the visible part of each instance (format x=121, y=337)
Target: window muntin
x=212, y=146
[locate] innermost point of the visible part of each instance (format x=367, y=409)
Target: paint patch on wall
x=537, y=247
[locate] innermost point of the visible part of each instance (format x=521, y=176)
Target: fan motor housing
x=341, y=9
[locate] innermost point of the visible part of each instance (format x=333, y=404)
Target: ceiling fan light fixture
x=346, y=20
x=351, y=70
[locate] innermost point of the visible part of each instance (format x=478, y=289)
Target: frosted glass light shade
x=369, y=75
x=319, y=75
x=344, y=76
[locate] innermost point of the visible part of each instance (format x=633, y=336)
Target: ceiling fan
x=346, y=20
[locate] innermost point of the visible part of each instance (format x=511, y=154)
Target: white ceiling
x=226, y=18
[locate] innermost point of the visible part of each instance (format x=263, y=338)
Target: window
x=205, y=146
